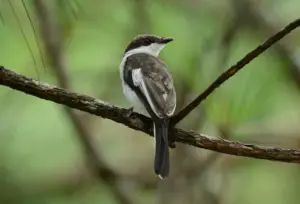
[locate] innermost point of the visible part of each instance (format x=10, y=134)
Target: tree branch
x=139, y=122
x=234, y=69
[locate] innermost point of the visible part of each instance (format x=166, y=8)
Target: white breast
x=130, y=95
x=153, y=49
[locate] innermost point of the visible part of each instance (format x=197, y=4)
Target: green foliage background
x=41, y=159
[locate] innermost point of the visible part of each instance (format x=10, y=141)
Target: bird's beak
x=166, y=40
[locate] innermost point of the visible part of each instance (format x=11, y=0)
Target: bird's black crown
x=145, y=40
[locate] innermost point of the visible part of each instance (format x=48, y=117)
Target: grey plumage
x=158, y=80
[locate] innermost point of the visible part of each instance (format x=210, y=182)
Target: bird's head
x=149, y=44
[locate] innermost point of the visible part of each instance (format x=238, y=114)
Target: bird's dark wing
x=151, y=76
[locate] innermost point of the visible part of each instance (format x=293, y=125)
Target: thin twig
x=254, y=17
x=24, y=36
x=234, y=69
x=34, y=33
x=140, y=122
x=1, y=13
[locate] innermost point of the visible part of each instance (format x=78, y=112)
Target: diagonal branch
x=139, y=122
x=234, y=69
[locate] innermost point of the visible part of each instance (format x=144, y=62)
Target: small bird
x=148, y=85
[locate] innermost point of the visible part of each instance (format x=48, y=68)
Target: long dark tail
x=161, y=161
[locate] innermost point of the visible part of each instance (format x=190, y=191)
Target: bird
x=148, y=85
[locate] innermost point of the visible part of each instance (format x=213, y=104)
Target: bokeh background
x=42, y=157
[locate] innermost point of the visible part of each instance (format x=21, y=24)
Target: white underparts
x=154, y=49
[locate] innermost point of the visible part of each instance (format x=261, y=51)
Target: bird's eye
x=147, y=41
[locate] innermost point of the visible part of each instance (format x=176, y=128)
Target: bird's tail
x=161, y=161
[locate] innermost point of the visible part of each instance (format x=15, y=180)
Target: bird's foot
x=129, y=111
x=172, y=145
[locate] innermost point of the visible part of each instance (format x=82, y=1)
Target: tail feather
x=161, y=161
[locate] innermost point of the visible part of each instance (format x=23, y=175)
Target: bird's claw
x=129, y=111
x=172, y=145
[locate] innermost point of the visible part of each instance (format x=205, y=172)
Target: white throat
x=153, y=49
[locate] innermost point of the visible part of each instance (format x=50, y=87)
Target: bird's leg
x=129, y=111
x=172, y=145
